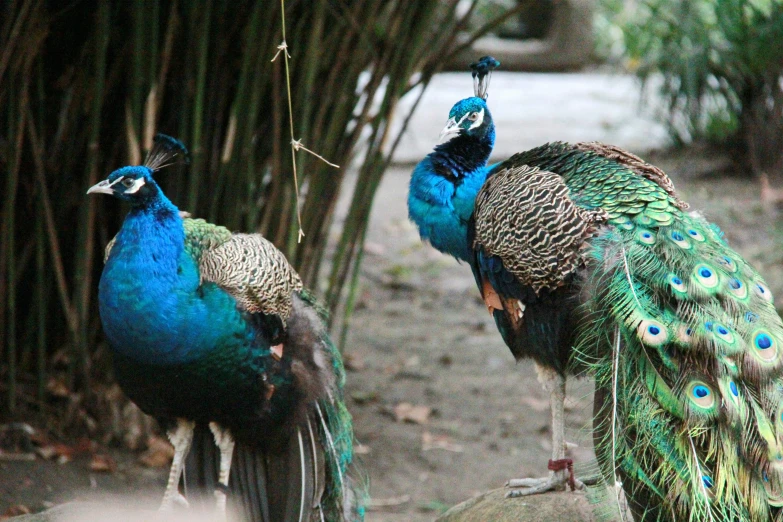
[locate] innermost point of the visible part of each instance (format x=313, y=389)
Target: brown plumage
x=525, y=216
x=254, y=272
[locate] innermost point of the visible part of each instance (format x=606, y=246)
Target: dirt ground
x=421, y=336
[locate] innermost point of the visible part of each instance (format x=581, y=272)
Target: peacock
x=441, y=202
x=213, y=334
x=591, y=263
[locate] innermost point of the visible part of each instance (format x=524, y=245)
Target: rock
x=492, y=505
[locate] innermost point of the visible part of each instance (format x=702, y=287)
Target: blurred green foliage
x=718, y=64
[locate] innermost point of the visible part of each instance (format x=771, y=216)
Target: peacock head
x=469, y=117
x=135, y=184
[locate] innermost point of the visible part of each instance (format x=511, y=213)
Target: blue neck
x=152, y=305
x=443, y=191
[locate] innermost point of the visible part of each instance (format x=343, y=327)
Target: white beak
x=104, y=187
x=452, y=127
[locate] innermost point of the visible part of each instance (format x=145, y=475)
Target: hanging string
x=296, y=145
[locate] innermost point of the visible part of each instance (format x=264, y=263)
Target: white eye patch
x=463, y=119
x=137, y=184
x=110, y=185
x=479, y=119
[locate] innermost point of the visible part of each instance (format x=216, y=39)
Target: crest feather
x=164, y=150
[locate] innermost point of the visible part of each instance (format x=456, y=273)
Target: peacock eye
x=473, y=116
x=127, y=183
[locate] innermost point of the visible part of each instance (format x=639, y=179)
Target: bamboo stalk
x=239, y=112
x=9, y=254
x=42, y=300
x=86, y=237
x=14, y=34
x=353, y=290
x=51, y=229
x=197, y=145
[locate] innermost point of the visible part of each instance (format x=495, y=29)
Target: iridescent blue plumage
x=152, y=308
x=444, y=184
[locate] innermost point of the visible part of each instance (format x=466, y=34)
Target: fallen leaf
x=57, y=388
x=364, y=397
x=430, y=442
x=353, y=362
x=407, y=412
x=535, y=403
x=103, y=463
x=15, y=511
x=361, y=449
x=46, y=452
x=159, y=453
x=380, y=503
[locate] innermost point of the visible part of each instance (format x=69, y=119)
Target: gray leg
x=555, y=384
x=225, y=443
x=181, y=437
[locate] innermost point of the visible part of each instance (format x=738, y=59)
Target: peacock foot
x=173, y=501
x=562, y=475
x=181, y=438
x=225, y=443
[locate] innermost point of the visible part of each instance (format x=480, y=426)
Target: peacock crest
x=164, y=150
x=482, y=74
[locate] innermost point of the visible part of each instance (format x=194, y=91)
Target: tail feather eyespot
x=764, y=346
x=702, y=400
x=652, y=333
x=695, y=234
x=706, y=276
x=677, y=284
x=727, y=263
x=737, y=288
x=679, y=239
x=645, y=236
x=763, y=291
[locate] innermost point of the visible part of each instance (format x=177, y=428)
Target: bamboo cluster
x=85, y=85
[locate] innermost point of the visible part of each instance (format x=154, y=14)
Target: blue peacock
x=589, y=262
x=213, y=334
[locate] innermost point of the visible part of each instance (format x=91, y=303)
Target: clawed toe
x=175, y=500
x=535, y=486
x=527, y=482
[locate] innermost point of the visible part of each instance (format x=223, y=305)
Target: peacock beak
x=452, y=127
x=104, y=187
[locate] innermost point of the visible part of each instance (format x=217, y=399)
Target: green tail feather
x=347, y=493
x=697, y=425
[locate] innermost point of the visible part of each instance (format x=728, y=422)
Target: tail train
x=685, y=345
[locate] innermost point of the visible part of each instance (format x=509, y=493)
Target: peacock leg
x=181, y=438
x=225, y=443
x=561, y=469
